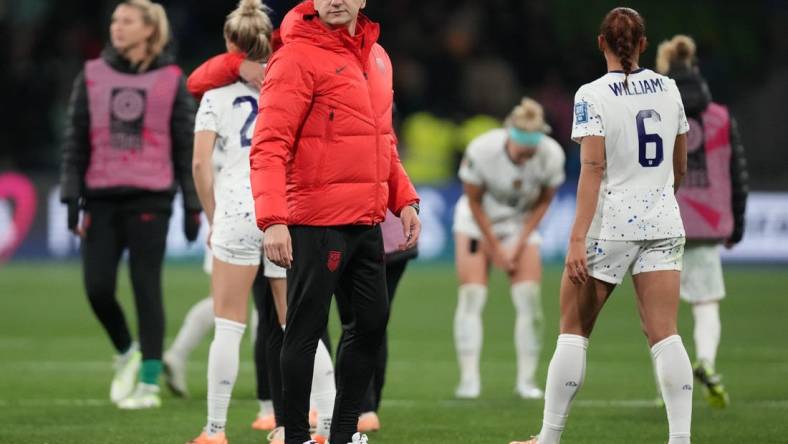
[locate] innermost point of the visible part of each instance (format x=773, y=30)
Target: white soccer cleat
x=175, y=375
x=359, y=438
x=468, y=390
x=126, y=366
x=145, y=396
x=277, y=436
x=529, y=390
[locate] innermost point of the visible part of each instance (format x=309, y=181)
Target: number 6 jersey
x=640, y=124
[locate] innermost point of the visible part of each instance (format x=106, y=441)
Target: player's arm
x=475, y=194
x=402, y=195
x=592, y=170
x=76, y=151
x=739, y=185
x=222, y=70
x=202, y=169
x=679, y=161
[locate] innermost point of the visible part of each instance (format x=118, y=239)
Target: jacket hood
x=693, y=88
x=302, y=24
x=120, y=63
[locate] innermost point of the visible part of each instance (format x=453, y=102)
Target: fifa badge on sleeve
x=581, y=112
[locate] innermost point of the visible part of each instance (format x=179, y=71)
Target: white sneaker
x=175, y=374
x=359, y=438
x=277, y=436
x=468, y=390
x=145, y=396
x=529, y=390
x=126, y=366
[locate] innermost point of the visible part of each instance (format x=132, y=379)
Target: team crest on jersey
x=334, y=258
x=581, y=112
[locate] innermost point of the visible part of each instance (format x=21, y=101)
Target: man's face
x=339, y=13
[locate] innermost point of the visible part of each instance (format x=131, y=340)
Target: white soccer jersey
x=510, y=190
x=230, y=112
x=640, y=125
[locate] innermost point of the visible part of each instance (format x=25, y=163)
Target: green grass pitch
x=55, y=366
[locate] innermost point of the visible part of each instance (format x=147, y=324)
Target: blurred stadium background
x=459, y=68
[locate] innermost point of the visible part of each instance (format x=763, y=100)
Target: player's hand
x=253, y=73
x=191, y=225
x=501, y=258
x=517, y=250
x=208, y=237
x=576, y=265
x=73, y=219
x=411, y=227
x=278, y=246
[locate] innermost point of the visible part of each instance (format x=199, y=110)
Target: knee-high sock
x=323, y=389
x=564, y=378
x=223, y=360
x=527, y=329
x=707, y=331
x=675, y=380
x=196, y=324
x=468, y=332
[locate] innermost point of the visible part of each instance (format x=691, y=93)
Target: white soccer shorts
x=701, y=277
x=609, y=260
x=506, y=231
x=237, y=240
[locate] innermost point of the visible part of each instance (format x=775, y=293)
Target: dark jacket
x=696, y=98
x=77, y=149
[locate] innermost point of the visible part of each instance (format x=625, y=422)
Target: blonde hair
x=154, y=15
x=528, y=115
x=678, y=50
x=250, y=28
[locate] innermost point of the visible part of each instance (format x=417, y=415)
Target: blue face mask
x=525, y=138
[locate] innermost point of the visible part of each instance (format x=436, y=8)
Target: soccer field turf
x=55, y=366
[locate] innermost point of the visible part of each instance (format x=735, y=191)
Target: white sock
x=564, y=378
x=266, y=408
x=468, y=331
x=707, y=331
x=527, y=329
x=196, y=324
x=323, y=389
x=674, y=372
x=223, y=360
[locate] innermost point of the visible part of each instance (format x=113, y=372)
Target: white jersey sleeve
x=471, y=167
x=554, y=174
x=587, y=116
x=207, y=118
x=676, y=95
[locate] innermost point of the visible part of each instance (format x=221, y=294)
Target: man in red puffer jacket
x=324, y=170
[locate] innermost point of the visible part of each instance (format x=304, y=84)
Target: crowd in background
x=460, y=65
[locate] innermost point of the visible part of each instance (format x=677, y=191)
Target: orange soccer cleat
x=319, y=439
x=264, y=423
x=368, y=422
x=218, y=438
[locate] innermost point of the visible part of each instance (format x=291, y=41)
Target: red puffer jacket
x=324, y=150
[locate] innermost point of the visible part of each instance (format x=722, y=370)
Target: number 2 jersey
x=230, y=112
x=640, y=124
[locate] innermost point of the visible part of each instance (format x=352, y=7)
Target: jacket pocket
x=328, y=140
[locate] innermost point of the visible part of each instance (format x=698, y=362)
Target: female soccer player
x=510, y=176
x=225, y=122
x=128, y=145
x=631, y=127
x=716, y=185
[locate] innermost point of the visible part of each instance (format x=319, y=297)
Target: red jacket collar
x=302, y=24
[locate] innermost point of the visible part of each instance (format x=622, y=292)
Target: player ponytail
x=154, y=15
x=680, y=50
x=623, y=29
x=249, y=28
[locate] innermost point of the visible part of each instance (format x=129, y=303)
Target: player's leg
x=102, y=248
x=146, y=236
x=702, y=286
x=656, y=276
x=364, y=281
x=319, y=254
x=196, y=325
x=231, y=284
x=472, y=270
x=369, y=421
x=526, y=296
x=261, y=294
